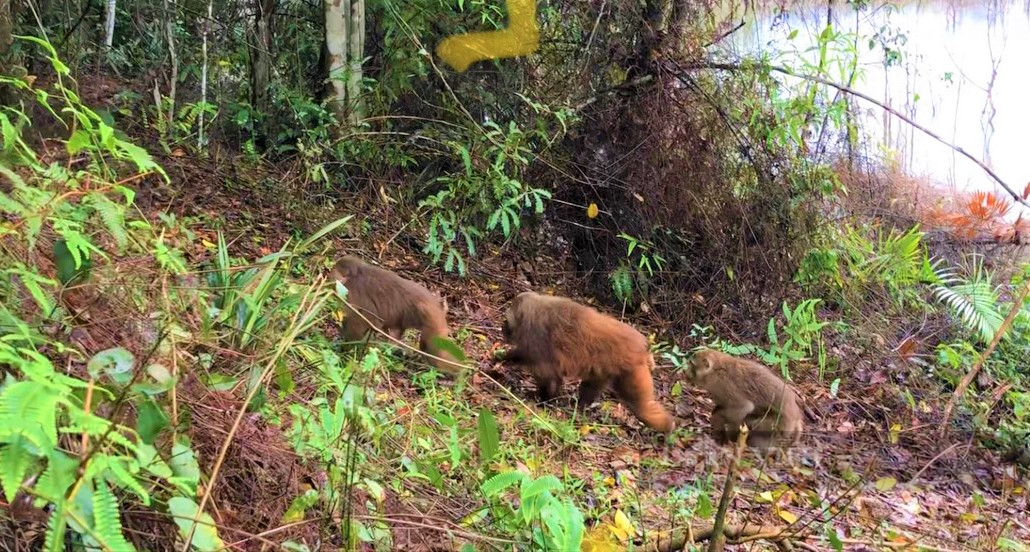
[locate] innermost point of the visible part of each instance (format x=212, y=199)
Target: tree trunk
x=7, y=96
x=109, y=23
x=345, y=49
x=261, y=62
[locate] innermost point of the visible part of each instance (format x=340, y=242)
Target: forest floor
x=870, y=462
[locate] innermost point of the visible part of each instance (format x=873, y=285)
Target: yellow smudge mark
x=522, y=37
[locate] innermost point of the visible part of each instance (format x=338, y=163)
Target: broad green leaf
x=205, y=534
x=80, y=139
x=150, y=461
x=300, y=505
x=68, y=269
x=150, y=420
x=488, y=436
x=116, y=363
x=184, y=465
x=444, y=344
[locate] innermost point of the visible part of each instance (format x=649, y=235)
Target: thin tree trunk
x=345, y=49
x=203, y=78
x=109, y=23
x=261, y=61
x=172, y=17
x=357, y=55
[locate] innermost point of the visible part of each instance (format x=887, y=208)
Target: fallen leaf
x=788, y=516
x=622, y=528
x=885, y=484
x=592, y=211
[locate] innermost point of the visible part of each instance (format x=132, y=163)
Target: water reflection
x=964, y=75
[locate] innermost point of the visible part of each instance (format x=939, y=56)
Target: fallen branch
x=851, y=91
x=735, y=534
x=1017, y=306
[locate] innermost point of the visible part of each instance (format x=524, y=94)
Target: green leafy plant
x=487, y=197
x=974, y=299
x=552, y=524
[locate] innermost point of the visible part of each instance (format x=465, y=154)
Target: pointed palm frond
x=974, y=299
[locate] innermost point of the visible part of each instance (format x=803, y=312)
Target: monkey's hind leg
x=590, y=391
x=547, y=388
x=637, y=391
x=354, y=328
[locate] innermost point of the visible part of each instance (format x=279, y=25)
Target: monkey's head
x=701, y=365
x=514, y=317
x=346, y=267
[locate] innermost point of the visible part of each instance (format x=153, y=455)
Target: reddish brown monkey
x=557, y=339
x=392, y=304
x=749, y=393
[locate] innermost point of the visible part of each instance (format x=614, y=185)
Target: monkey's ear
x=701, y=365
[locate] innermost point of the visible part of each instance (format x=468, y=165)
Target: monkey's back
x=761, y=386
x=584, y=342
x=390, y=297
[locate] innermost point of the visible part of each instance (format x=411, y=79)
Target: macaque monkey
x=392, y=304
x=558, y=339
x=747, y=392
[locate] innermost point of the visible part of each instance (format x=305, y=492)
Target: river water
x=964, y=73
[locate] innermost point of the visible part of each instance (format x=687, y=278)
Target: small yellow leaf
x=584, y=429
x=207, y=244
x=609, y=481
x=885, y=484
x=894, y=433
x=765, y=496
x=788, y=516
x=592, y=211
x=622, y=528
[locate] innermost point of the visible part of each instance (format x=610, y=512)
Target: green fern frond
x=107, y=526
x=622, y=283
x=113, y=216
x=14, y=464
x=974, y=299
x=501, y=481
x=55, y=530
x=29, y=408
x=124, y=478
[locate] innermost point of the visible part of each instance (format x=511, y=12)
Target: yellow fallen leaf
x=207, y=244
x=885, y=484
x=788, y=516
x=894, y=433
x=584, y=429
x=765, y=496
x=598, y=539
x=622, y=528
x=592, y=211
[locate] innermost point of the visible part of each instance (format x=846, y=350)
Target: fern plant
x=553, y=524
x=974, y=299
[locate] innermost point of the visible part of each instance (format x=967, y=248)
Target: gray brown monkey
x=557, y=338
x=747, y=392
x=392, y=304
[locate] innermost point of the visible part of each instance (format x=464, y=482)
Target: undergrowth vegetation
x=173, y=378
